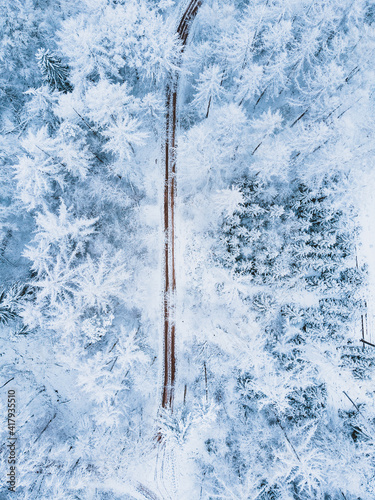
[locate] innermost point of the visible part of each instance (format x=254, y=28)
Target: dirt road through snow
x=169, y=289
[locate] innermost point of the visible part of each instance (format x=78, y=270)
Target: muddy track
x=169, y=289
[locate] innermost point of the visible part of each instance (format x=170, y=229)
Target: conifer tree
x=54, y=73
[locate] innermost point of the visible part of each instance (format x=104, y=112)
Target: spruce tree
x=54, y=73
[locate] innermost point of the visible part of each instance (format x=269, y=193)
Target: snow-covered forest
x=273, y=104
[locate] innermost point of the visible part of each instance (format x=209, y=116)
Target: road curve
x=169, y=289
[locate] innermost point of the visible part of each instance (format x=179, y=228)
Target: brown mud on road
x=169, y=289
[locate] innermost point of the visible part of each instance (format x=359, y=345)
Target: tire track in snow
x=169, y=288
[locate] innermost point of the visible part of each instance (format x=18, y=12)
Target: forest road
x=169, y=290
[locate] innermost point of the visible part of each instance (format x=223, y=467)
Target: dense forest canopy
x=274, y=393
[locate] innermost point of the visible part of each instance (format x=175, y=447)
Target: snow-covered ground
x=365, y=198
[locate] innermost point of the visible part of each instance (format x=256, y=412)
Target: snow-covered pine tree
x=54, y=73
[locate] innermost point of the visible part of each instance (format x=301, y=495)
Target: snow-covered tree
x=53, y=71
x=209, y=88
